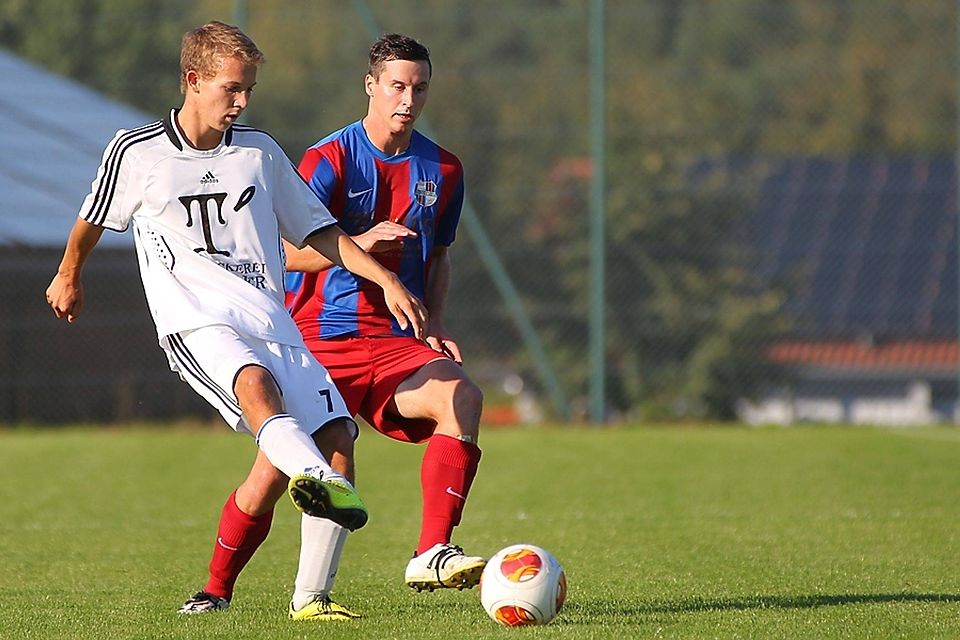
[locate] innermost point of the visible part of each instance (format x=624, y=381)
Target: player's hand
x=406, y=308
x=65, y=297
x=440, y=340
x=384, y=237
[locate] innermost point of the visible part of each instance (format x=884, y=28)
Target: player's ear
x=192, y=79
x=368, y=83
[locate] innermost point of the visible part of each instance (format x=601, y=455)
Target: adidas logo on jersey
x=208, y=178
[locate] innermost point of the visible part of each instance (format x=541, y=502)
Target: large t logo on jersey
x=203, y=200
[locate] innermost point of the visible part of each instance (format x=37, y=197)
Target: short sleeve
x=109, y=203
x=450, y=215
x=320, y=173
x=298, y=210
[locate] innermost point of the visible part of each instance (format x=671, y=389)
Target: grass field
x=664, y=533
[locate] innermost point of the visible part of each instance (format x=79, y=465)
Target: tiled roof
x=869, y=243
x=864, y=244
x=907, y=354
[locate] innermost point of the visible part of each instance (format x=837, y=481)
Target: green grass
x=664, y=533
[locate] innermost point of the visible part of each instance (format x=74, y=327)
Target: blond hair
x=205, y=48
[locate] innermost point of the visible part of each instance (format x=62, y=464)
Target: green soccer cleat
x=322, y=608
x=332, y=499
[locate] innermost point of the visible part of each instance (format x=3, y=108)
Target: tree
x=692, y=87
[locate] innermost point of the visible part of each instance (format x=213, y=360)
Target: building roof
x=866, y=246
x=903, y=356
x=868, y=242
x=52, y=132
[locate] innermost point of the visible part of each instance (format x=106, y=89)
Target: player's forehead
x=405, y=71
x=234, y=70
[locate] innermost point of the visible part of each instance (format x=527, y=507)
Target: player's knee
x=256, y=390
x=467, y=405
x=336, y=436
x=253, y=376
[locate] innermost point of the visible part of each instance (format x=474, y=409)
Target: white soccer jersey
x=207, y=225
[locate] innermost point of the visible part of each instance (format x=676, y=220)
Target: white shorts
x=209, y=359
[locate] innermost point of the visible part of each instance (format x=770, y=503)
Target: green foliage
x=689, y=533
x=686, y=80
x=128, y=49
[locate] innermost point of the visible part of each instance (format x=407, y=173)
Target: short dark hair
x=395, y=46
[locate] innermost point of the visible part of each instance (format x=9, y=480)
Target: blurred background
x=677, y=209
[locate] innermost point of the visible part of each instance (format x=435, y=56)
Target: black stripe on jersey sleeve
x=111, y=170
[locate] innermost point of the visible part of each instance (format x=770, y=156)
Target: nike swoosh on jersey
x=353, y=194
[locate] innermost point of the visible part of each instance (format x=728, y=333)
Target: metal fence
x=753, y=165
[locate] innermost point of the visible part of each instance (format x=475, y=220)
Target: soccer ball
x=523, y=585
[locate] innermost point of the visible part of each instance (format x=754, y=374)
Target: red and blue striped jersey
x=421, y=188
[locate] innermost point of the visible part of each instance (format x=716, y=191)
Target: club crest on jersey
x=425, y=192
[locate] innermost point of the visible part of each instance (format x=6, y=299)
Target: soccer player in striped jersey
x=399, y=195
x=209, y=201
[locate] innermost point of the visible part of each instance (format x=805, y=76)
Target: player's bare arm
x=307, y=259
x=344, y=252
x=65, y=293
x=384, y=236
x=438, y=283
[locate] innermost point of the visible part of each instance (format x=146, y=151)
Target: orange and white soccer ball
x=523, y=584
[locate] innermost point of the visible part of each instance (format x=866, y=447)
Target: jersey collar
x=177, y=139
x=378, y=153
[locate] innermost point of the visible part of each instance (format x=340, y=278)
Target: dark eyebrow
x=418, y=84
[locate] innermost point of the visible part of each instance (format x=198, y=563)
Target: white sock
x=321, y=544
x=290, y=449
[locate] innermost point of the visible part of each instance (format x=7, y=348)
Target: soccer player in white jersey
x=399, y=195
x=209, y=201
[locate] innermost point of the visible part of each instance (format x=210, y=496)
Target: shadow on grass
x=589, y=611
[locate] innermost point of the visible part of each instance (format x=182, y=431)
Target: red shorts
x=367, y=370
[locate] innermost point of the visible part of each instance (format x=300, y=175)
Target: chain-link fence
x=779, y=199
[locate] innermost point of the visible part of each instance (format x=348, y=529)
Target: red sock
x=238, y=537
x=448, y=468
